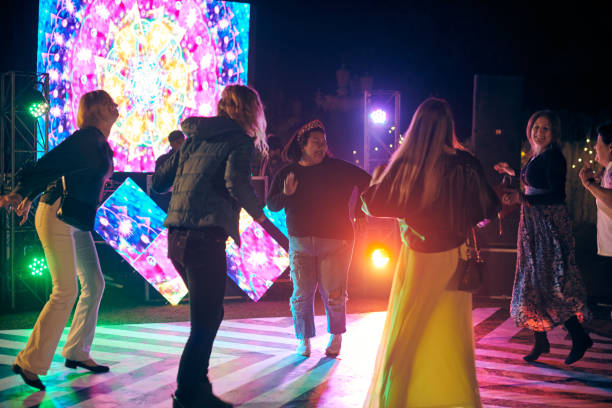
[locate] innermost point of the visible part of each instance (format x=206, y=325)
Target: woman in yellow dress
x=439, y=192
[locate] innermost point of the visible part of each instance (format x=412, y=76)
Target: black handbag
x=468, y=275
x=74, y=212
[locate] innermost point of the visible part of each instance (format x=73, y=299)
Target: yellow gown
x=426, y=353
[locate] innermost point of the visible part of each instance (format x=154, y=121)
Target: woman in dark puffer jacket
x=210, y=176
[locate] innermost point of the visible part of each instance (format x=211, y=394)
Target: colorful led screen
x=160, y=60
x=131, y=223
x=255, y=265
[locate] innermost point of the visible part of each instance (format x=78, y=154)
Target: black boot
x=210, y=401
x=202, y=397
x=541, y=346
x=580, y=340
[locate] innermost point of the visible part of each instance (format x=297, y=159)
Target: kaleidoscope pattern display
x=132, y=224
x=160, y=60
x=259, y=260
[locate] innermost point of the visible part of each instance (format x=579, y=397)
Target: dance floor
x=254, y=365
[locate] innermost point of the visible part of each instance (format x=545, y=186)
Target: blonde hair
x=242, y=104
x=416, y=163
x=89, y=107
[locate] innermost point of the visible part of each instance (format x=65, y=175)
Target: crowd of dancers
x=432, y=185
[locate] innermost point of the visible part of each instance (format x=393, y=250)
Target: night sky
x=420, y=49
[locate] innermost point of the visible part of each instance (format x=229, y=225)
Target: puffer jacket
x=210, y=176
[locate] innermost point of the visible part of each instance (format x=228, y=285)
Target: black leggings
x=199, y=257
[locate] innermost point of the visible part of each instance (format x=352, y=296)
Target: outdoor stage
x=254, y=365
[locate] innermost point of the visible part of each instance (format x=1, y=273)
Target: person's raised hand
x=10, y=200
x=290, y=184
x=23, y=210
x=586, y=173
x=504, y=168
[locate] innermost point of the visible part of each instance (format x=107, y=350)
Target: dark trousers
x=199, y=257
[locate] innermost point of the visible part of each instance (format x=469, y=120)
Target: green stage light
x=37, y=266
x=37, y=109
x=34, y=102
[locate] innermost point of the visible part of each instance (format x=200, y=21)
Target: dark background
x=419, y=49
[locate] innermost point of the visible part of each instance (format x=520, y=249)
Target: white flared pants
x=70, y=253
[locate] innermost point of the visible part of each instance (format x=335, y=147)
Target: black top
x=465, y=199
x=546, y=173
x=320, y=205
x=210, y=176
x=84, y=157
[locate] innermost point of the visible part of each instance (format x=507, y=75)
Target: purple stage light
x=378, y=117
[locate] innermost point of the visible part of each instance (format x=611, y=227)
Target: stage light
x=37, y=266
x=380, y=258
x=35, y=103
x=378, y=117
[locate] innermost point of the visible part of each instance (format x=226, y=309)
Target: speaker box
x=497, y=132
x=498, y=277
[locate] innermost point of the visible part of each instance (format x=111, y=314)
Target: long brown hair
x=242, y=104
x=417, y=161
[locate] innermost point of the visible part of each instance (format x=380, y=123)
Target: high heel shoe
x=93, y=368
x=36, y=383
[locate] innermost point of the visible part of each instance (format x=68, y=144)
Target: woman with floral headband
x=315, y=191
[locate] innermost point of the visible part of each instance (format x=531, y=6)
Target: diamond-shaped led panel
x=132, y=224
x=258, y=262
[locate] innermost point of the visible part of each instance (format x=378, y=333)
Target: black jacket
x=211, y=176
x=546, y=172
x=84, y=158
x=464, y=200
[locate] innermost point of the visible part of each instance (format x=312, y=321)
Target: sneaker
x=333, y=348
x=304, y=348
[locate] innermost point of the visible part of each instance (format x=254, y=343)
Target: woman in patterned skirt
x=548, y=288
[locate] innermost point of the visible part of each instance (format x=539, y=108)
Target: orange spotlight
x=380, y=258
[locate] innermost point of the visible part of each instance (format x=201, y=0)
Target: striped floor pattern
x=253, y=365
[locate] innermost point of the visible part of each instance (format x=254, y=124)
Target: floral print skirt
x=548, y=288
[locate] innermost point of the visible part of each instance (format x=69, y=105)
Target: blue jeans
x=324, y=263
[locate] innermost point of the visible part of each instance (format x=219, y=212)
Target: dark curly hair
x=293, y=149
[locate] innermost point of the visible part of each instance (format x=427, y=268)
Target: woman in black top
x=85, y=161
x=548, y=289
x=315, y=191
x=439, y=193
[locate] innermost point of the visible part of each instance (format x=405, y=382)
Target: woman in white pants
x=79, y=165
